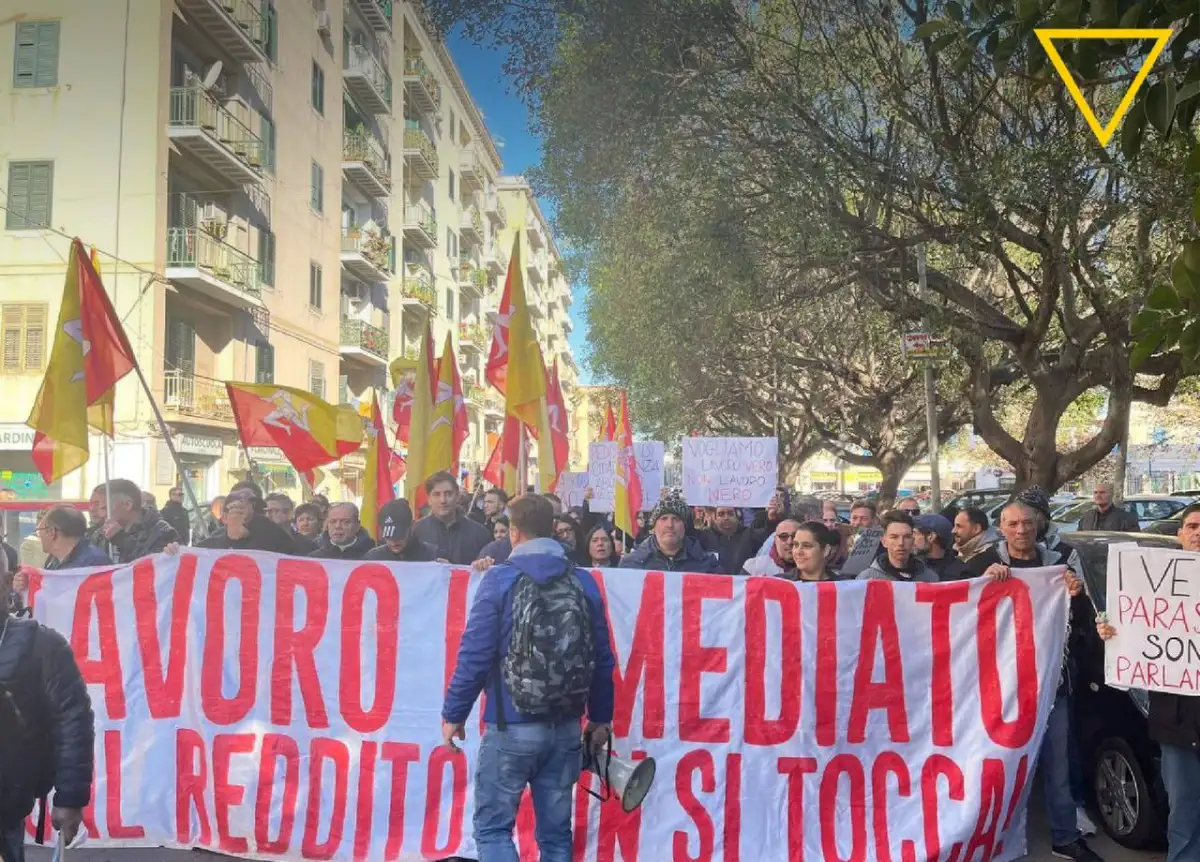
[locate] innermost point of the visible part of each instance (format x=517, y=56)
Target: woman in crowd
x=500, y=528
x=602, y=551
x=813, y=548
x=778, y=560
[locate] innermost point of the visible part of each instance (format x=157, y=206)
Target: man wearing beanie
x=669, y=549
x=933, y=540
x=397, y=544
x=1036, y=499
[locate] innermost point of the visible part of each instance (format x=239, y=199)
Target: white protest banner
x=281, y=708
x=602, y=472
x=730, y=471
x=1153, y=601
x=572, y=489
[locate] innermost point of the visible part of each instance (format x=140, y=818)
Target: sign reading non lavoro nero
x=1154, y=604
x=730, y=471
x=602, y=473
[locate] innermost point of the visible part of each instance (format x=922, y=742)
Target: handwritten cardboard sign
x=572, y=489
x=602, y=472
x=1154, y=604
x=730, y=471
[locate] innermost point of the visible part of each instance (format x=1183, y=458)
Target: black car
x=1120, y=761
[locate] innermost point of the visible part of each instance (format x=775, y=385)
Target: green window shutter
x=264, y=363
x=25, y=60
x=343, y=389
x=35, y=60
x=18, y=195
x=267, y=129
x=47, y=55
x=270, y=30
x=41, y=192
x=318, y=188
x=266, y=257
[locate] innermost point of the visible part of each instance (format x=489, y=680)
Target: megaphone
x=630, y=782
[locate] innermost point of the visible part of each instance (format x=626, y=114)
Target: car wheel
x=1126, y=804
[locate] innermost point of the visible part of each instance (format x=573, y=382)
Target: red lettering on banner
x=225, y=794
x=1018, y=732
x=991, y=804
x=833, y=804
x=379, y=580
x=96, y=592
x=879, y=627
x=942, y=597
x=400, y=755
x=295, y=649
x=795, y=768
x=218, y=708
x=526, y=840
x=35, y=587
x=191, y=777
x=618, y=829
x=274, y=746
x=582, y=802
x=1017, y=790
x=365, y=807
x=826, y=684
x=759, y=730
x=697, y=660
x=732, y=828
x=456, y=618
x=164, y=690
x=889, y=762
x=325, y=749
x=697, y=760
x=112, y=789
x=645, y=656
x=938, y=766
x=438, y=759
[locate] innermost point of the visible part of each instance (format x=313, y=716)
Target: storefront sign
x=16, y=438
x=266, y=453
x=195, y=444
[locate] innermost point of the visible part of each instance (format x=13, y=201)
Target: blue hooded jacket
x=489, y=631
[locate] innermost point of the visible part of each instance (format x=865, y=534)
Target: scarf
x=787, y=565
x=972, y=547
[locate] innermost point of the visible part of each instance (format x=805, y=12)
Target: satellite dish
x=211, y=76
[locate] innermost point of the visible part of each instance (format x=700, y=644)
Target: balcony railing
x=496, y=210
x=422, y=84
x=418, y=284
x=189, y=395
x=421, y=216
x=471, y=168
x=472, y=222
x=362, y=146
x=236, y=25
x=420, y=150
x=373, y=245
x=368, y=81
x=474, y=333
x=195, y=248
x=193, y=108
x=470, y=274
x=364, y=336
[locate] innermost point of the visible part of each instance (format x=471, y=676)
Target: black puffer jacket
x=175, y=515
x=263, y=534
x=39, y=661
x=148, y=535
x=692, y=557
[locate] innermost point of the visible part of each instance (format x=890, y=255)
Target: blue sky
x=508, y=120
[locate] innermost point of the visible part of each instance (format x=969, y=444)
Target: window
x=264, y=363
x=266, y=257
x=316, y=378
x=314, y=285
x=318, y=88
x=36, y=54
x=267, y=130
x=344, y=389
x=30, y=191
x=24, y=336
x=450, y=173
x=453, y=125
x=318, y=188
x=270, y=30
x=181, y=346
x=450, y=305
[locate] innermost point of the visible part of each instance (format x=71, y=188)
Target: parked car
x=1120, y=762
x=1147, y=508
x=981, y=498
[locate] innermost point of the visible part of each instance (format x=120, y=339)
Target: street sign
x=922, y=345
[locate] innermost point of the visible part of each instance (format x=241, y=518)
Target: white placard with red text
x=742, y=472
x=1153, y=601
x=281, y=708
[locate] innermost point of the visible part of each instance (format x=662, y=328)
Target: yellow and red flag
x=440, y=451
x=608, y=433
x=90, y=354
x=309, y=431
x=421, y=412
x=462, y=422
x=506, y=466
x=559, y=428
x=496, y=371
x=378, y=484
x=627, y=493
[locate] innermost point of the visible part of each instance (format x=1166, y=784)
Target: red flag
x=497, y=364
x=107, y=355
x=462, y=423
x=557, y=411
x=609, y=432
x=377, y=483
x=404, y=378
x=628, y=491
x=397, y=467
x=504, y=466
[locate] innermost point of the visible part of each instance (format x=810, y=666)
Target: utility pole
x=931, y=422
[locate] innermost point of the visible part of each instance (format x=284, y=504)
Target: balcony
x=199, y=260
x=493, y=404
x=471, y=278
x=474, y=336
x=535, y=308
x=377, y=12
x=534, y=269
x=367, y=254
x=496, y=211
x=363, y=342
x=417, y=288
x=237, y=26
x=420, y=225
x=185, y=394
x=421, y=86
x=474, y=175
x=365, y=163
x=568, y=326
x=201, y=128
x=470, y=226
x=368, y=82
x=495, y=260
x=534, y=229
x=420, y=155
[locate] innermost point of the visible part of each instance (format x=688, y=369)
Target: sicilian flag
x=309, y=431
x=608, y=433
x=496, y=371
x=627, y=492
x=378, y=484
x=90, y=354
x=506, y=466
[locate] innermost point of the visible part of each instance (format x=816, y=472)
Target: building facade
x=279, y=191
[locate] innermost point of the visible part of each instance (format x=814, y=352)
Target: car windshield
x=1073, y=512
x=1093, y=552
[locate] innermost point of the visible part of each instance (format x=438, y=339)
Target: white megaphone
x=630, y=782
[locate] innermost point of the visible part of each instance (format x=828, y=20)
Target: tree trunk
x=892, y=467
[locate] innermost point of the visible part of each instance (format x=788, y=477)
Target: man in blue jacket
x=541, y=748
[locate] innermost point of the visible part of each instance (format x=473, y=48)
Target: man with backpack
x=47, y=731
x=537, y=643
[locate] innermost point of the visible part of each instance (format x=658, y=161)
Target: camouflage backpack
x=550, y=661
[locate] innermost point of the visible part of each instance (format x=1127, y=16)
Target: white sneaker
x=1084, y=823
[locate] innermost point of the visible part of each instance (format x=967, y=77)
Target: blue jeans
x=545, y=757
x=1181, y=777
x=1055, y=763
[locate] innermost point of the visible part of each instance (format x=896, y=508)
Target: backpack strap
x=498, y=694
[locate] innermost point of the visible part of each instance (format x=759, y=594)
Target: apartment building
x=291, y=188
